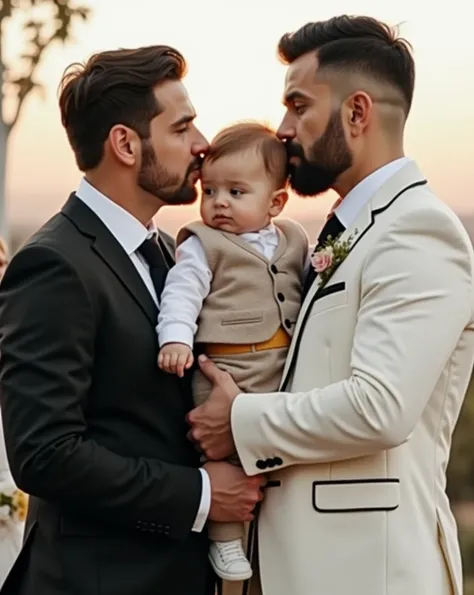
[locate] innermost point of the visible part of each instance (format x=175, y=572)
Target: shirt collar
x=126, y=229
x=267, y=231
x=353, y=202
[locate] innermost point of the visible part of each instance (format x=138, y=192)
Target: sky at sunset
x=234, y=74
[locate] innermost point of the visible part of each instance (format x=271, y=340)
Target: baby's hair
x=245, y=136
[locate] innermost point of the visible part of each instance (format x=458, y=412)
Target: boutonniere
x=326, y=258
x=13, y=504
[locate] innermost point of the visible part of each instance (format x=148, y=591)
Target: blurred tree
x=461, y=465
x=43, y=22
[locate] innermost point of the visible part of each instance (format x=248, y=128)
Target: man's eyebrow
x=294, y=95
x=184, y=120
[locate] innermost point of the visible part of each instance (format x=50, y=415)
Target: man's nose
x=286, y=130
x=200, y=146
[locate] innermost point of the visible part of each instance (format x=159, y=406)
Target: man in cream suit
x=357, y=442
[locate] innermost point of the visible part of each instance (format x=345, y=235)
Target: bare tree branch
x=39, y=38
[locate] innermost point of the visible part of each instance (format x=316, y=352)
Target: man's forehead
x=172, y=96
x=301, y=72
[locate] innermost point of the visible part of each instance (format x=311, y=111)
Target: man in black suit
x=95, y=432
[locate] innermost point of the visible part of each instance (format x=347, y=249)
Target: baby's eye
x=236, y=192
x=208, y=191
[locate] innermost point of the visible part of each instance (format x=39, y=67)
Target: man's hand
x=210, y=422
x=234, y=495
x=175, y=358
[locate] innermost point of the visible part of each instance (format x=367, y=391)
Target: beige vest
x=250, y=296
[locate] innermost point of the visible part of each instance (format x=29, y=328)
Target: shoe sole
x=229, y=577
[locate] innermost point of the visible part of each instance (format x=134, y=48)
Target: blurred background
x=233, y=74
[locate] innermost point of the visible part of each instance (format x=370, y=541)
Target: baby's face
x=237, y=194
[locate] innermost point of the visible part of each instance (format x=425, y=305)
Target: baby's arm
x=187, y=285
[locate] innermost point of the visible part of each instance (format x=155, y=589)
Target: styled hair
x=245, y=136
x=356, y=44
x=114, y=87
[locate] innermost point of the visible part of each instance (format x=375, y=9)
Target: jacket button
x=281, y=297
x=288, y=323
x=271, y=463
x=261, y=464
x=274, y=269
x=277, y=461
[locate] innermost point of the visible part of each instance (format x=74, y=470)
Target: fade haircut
x=245, y=136
x=114, y=87
x=356, y=45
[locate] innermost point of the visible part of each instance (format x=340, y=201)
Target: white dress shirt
x=354, y=200
x=130, y=234
x=188, y=283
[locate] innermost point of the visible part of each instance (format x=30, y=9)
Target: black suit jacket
x=94, y=431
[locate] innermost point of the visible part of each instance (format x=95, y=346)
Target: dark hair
x=252, y=135
x=356, y=44
x=114, y=87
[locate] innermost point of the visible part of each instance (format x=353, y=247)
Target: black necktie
x=333, y=227
x=153, y=254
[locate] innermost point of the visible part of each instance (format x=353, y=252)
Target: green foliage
x=337, y=250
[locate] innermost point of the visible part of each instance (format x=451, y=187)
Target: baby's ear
x=279, y=199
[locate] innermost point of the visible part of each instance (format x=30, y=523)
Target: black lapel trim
x=330, y=289
x=111, y=252
x=316, y=296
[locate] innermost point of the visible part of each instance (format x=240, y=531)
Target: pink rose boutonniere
x=325, y=259
x=322, y=259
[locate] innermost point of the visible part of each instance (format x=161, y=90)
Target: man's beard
x=156, y=180
x=329, y=157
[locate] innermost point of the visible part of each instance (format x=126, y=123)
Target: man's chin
x=307, y=190
x=308, y=183
x=186, y=196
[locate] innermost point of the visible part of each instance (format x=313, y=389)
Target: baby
x=235, y=290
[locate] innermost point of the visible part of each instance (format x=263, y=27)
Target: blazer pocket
x=356, y=495
x=243, y=317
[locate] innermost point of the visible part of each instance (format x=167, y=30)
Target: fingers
x=184, y=362
x=258, y=480
x=176, y=359
x=193, y=415
x=209, y=368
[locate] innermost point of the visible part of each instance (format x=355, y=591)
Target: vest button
x=274, y=269
x=281, y=297
x=288, y=323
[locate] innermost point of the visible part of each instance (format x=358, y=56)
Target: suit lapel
x=407, y=178
x=111, y=253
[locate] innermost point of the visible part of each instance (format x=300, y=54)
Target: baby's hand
x=175, y=358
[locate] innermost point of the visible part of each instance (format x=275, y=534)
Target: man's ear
x=358, y=112
x=125, y=145
x=279, y=200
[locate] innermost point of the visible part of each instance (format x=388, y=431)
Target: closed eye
x=182, y=130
